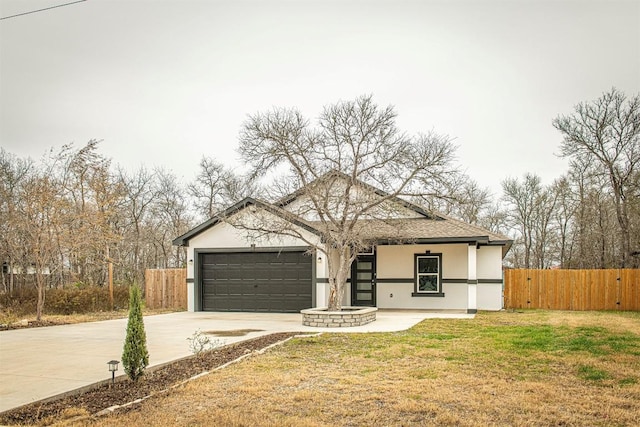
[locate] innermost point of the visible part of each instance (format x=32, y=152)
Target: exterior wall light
x=190, y=262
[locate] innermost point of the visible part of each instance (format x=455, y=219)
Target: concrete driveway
x=42, y=362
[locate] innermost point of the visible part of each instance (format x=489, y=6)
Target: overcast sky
x=165, y=82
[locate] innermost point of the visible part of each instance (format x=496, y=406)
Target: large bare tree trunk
x=338, y=275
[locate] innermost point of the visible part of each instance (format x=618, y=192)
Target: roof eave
x=506, y=246
x=477, y=240
x=184, y=239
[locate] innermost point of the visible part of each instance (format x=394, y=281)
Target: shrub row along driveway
x=42, y=362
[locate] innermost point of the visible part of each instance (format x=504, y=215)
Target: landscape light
x=113, y=367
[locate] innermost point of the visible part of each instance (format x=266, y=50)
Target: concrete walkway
x=42, y=362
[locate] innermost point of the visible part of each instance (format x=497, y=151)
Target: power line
x=40, y=10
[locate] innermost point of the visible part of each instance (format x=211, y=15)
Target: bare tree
x=448, y=196
x=532, y=206
x=563, y=216
x=13, y=173
x=354, y=143
x=607, y=130
x=473, y=202
x=43, y=214
x=545, y=207
x=88, y=184
x=170, y=218
x=521, y=198
x=462, y=198
x=139, y=192
x=579, y=175
x=495, y=218
x=216, y=186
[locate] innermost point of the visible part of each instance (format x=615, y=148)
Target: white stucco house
x=416, y=260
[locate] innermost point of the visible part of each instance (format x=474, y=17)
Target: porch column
x=191, y=284
x=472, y=279
x=321, y=280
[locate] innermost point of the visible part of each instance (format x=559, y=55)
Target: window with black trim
x=428, y=275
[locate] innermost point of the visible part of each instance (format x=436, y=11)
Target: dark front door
x=363, y=281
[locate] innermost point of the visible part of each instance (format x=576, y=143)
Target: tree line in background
x=587, y=218
x=64, y=217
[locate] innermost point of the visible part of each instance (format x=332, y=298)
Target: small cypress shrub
x=135, y=356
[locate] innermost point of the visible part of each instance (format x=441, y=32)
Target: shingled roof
x=429, y=227
x=425, y=230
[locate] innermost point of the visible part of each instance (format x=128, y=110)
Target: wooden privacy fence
x=166, y=288
x=572, y=289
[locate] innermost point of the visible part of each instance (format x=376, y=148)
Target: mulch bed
x=156, y=380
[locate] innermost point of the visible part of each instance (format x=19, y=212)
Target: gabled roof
x=430, y=228
x=412, y=206
x=246, y=202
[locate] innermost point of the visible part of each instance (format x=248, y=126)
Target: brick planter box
x=347, y=317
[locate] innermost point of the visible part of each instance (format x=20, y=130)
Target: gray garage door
x=256, y=281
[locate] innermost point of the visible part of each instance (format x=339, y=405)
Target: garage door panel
x=249, y=288
x=261, y=272
x=230, y=302
x=277, y=289
x=256, y=281
x=289, y=274
x=260, y=291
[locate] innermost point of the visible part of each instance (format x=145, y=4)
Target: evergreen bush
x=135, y=356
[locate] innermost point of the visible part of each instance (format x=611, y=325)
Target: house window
x=428, y=275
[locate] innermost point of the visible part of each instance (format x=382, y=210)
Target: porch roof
x=425, y=230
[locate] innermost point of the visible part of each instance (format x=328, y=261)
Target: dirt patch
x=232, y=333
x=122, y=392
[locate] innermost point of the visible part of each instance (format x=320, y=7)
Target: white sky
x=165, y=82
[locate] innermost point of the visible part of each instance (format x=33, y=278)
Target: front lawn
x=507, y=368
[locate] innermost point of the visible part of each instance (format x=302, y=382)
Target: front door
x=363, y=281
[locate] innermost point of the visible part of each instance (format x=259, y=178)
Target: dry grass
x=29, y=320
x=520, y=368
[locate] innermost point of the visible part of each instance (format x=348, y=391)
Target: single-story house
x=416, y=260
